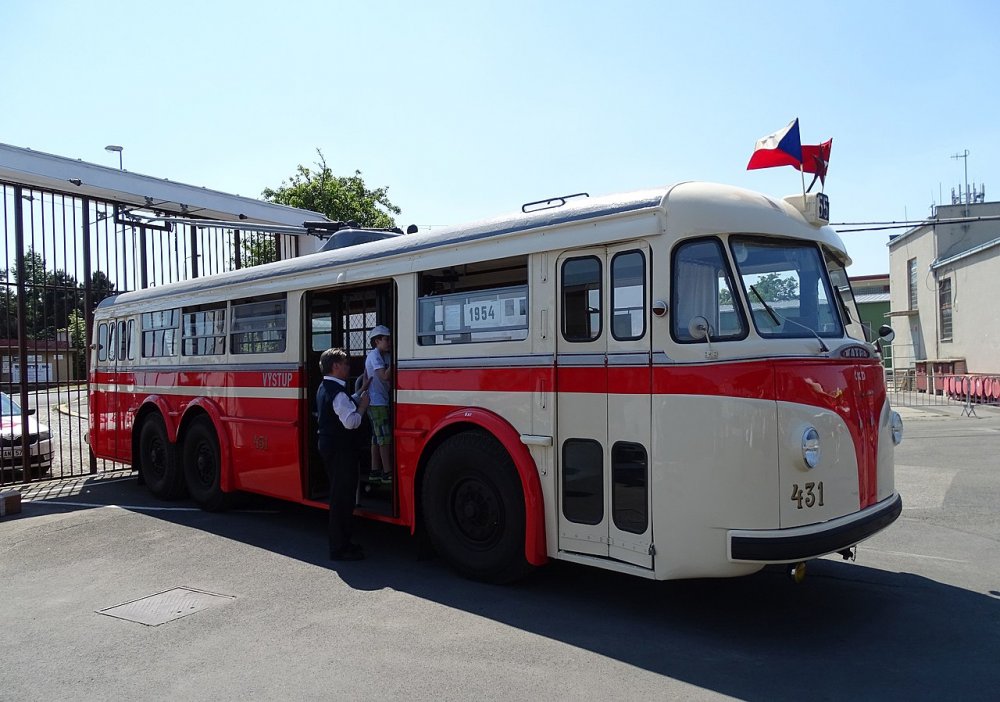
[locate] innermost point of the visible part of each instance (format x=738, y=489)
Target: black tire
x=203, y=466
x=473, y=508
x=158, y=461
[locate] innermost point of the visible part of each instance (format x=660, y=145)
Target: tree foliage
x=53, y=302
x=773, y=288
x=341, y=198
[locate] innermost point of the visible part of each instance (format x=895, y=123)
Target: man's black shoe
x=346, y=554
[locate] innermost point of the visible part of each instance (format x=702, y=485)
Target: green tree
x=258, y=250
x=773, y=288
x=49, y=296
x=341, y=198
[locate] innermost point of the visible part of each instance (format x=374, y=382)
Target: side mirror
x=31, y=411
x=699, y=328
x=886, y=334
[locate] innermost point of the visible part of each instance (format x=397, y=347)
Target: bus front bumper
x=802, y=543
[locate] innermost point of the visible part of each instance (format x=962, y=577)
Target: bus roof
x=690, y=207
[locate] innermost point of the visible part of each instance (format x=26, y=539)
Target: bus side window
x=122, y=342
x=112, y=341
x=130, y=347
x=102, y=342
x=581, y=299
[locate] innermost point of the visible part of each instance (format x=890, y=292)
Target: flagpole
x=803, y=174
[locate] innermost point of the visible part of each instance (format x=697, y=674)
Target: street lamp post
x=119, y=149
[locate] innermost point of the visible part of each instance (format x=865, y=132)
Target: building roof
x=83, y=179
x=970, y=252
x=873, y=297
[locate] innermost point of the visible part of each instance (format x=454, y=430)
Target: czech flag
x=783, y=148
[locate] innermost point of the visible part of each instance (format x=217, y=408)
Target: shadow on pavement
x=847, y=632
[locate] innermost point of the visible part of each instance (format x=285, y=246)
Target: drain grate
x=166, y=606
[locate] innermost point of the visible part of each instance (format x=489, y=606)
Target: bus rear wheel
x=202, y=466
x=157, y=461
x=473, y=508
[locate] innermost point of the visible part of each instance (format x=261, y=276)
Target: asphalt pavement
x=244, y=605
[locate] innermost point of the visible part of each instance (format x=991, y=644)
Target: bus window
x=628, y=296
x=258, y=326
x=845, y=296
x=128, y=336
x=702, y=285
x=122, y=341
x=629, y=496
x=583, y=481
x=485, y=301
x=203, y=331
x=102, y=342
x=790, y=277
x=112, y=341
x=581, y=299
x=159, y=333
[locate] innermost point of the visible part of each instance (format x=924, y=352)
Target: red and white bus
x=671, y=383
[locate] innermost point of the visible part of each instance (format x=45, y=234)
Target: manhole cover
x=166, y=606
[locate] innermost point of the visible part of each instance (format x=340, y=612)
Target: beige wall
x=975, y=283
x=915, y=333
x=975, y=288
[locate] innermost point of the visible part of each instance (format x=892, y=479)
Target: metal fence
x=62, y=255
x=913, y=382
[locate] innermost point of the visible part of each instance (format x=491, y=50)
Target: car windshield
x=9, y=407
x=787, y=286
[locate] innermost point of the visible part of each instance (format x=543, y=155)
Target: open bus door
x=604, y=382
x=342, y=319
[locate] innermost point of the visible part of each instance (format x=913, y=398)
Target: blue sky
x=465, y=110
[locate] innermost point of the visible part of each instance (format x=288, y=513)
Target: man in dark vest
x=340, y=444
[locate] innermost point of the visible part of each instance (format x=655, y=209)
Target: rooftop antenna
x=965, y=156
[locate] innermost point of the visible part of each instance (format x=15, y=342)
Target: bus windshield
x=787, y=287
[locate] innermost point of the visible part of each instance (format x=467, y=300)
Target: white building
x=943, y=290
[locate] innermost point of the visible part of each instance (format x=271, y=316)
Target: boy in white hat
x=378, y=367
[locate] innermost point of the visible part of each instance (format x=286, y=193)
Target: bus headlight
x=810, y=447
x=896, y=426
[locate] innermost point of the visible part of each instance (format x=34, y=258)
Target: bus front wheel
x=202, y=466
x=157, y=461
x=473, y=508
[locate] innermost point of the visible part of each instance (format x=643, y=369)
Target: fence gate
x=62, y=255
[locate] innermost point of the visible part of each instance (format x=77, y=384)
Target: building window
x=911, y=282
x=944, y=307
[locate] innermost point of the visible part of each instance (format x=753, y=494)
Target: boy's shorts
x=381, y=426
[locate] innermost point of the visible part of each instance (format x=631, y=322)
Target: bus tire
x=473, y=508
x=157, y=460
x=202, y=466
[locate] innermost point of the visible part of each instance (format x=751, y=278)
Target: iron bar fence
x=912, y=382
x=62, y=255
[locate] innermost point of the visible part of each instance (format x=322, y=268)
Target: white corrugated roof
x=83, y=179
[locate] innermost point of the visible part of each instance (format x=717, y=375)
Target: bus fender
x=215, y=414
x=510, y=438
x=163, y=408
